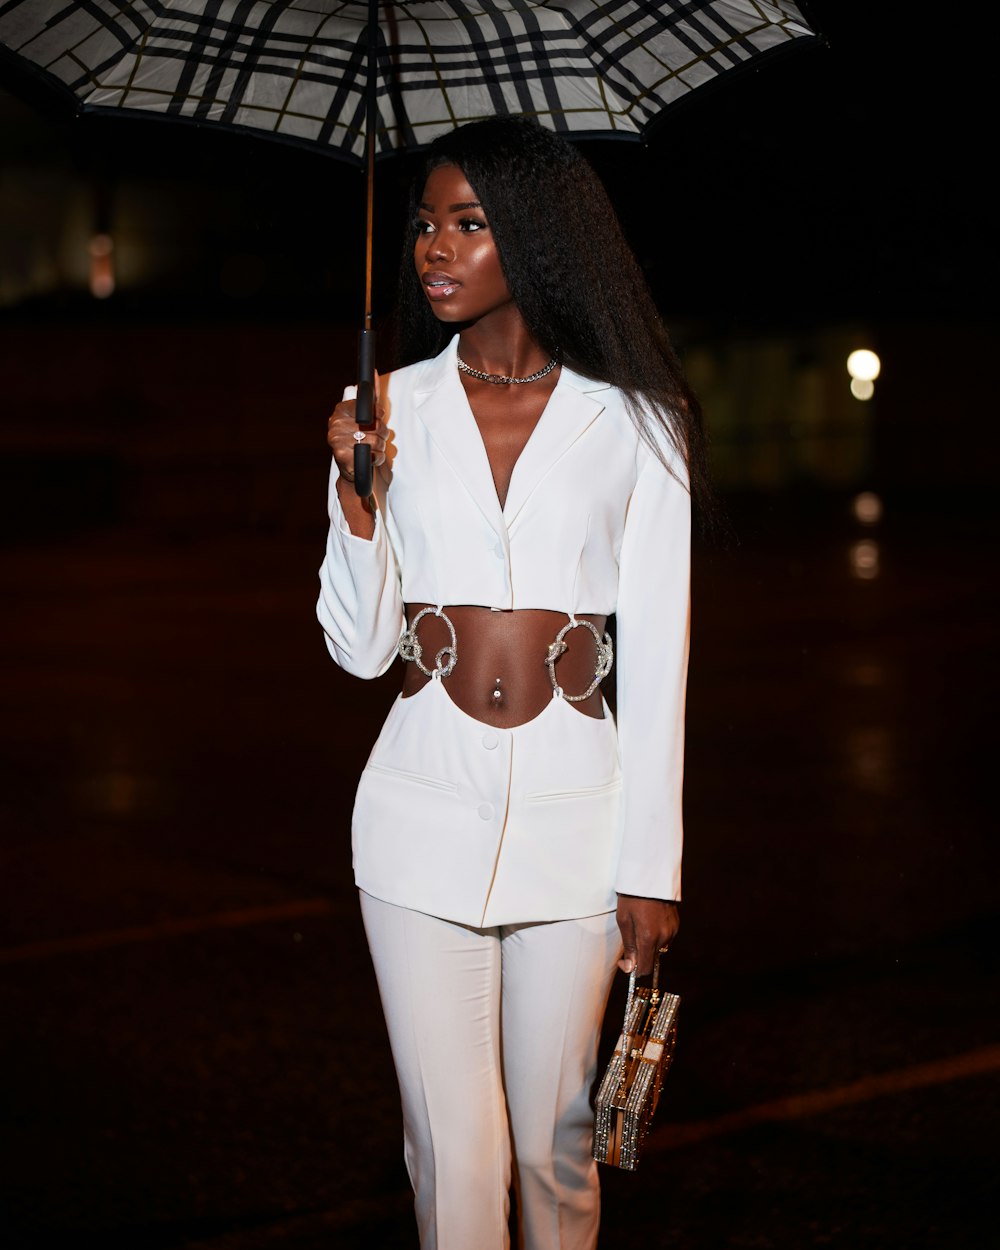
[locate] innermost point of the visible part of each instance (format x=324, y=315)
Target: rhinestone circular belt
x=410, y=649
x=605, y=658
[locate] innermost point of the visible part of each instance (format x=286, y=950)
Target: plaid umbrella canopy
x=301, y=70
x=297, y=69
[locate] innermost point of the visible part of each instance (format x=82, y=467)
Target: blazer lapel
x=571, y=409
x=443, y=406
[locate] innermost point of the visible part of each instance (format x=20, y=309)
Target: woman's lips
x=440, y=285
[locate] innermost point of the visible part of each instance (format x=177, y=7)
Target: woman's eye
x=421, y=226
x=471, y=224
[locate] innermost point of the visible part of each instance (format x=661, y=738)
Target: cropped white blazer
x=550, y=819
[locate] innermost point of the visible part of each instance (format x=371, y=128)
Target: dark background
x=830, y=181
x=192, y=1050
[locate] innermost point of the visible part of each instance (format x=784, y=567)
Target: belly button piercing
x=497, y=693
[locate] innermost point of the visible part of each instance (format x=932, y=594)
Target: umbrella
x=364, y=79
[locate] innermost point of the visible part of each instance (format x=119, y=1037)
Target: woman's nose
x=438, y=248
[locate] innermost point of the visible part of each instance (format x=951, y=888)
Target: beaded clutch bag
x=630, y=1089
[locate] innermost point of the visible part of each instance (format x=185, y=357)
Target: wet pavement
x=192, y=1051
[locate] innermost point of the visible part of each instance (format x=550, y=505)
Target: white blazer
x=551, y=819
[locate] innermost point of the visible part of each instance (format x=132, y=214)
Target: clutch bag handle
x=626, y=1036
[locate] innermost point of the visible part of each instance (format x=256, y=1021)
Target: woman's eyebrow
x=452, y=208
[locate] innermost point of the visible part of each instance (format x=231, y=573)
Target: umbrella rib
x=331, y=120
x=506, y=35
x=137, y=50
x=636, y=40
x=249, y=59
x=185, y=79
x=297, y=76
x=135, y=67
x=419, y=23
x=70, y=52
x=653, y=87
x=398, y=123
x=536, y=40
x=107, y=22
x=604, y=100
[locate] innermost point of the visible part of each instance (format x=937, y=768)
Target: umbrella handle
x=364, y=411
x=362, y=470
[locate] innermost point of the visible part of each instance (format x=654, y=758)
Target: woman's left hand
x=646, y=924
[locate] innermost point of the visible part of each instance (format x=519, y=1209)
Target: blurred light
x=868, y=674
x=102, y=266
x=870, y=752
x=864, y=365
x=119, y=792
x=864, y=559
x=862, y=388
x=867, y=507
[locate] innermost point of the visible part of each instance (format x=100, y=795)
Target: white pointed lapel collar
x=573, y=406
x=443, y=406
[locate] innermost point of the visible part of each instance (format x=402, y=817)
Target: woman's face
x=454, y=253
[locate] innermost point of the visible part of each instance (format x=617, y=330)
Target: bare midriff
x=511, y=646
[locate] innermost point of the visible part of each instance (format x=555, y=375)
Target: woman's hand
x=341, y=428
x=646, y=924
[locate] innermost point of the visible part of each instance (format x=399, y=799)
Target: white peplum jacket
x=551, y=819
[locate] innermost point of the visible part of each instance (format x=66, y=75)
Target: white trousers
x=494, y=1035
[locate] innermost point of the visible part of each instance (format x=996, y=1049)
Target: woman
x=533, y=464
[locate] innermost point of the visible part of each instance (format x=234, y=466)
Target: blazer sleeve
x=360, y=601
x=653, y=638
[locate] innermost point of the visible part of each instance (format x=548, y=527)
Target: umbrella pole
x=365, y=407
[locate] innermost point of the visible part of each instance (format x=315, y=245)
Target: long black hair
x=572, y=274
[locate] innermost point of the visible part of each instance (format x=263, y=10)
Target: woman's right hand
x=341, y=428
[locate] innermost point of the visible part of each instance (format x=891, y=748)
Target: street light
x=864, y=367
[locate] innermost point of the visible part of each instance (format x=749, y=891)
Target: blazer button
x=485, y=811
x=490, y=741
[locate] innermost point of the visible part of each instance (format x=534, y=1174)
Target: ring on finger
x=663, y=950
x=358, y=436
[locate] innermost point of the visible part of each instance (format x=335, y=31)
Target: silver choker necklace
x=501, y=379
